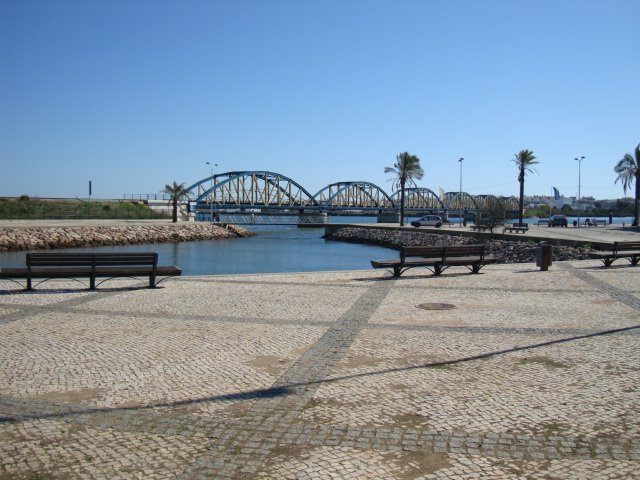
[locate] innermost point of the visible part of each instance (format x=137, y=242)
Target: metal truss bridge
x=259, y=193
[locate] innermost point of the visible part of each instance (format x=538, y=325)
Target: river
x=274, y=249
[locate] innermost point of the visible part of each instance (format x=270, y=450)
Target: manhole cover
x=436, y=306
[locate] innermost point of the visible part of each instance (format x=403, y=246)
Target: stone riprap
x=44, y=238
x=506, y=251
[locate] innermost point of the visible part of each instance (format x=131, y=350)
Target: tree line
x=406, y=170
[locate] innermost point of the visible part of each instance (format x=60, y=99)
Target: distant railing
x=145, y=196
x=252, y=219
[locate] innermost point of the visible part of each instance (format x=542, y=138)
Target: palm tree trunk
x=402, y=204
x=175, y=210
x=521, y=202
x=636, y=208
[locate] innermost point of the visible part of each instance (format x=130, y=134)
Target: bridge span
x=252, y=194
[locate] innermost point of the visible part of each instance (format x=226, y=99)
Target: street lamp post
x=460, y=194
x=579, y=160
x=211, y=164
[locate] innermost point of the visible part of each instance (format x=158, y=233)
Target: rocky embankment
x=43, y=238
x=506, y=251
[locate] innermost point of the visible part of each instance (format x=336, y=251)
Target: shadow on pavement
x=281, y=390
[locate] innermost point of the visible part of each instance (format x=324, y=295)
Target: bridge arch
x=460, y=201
x=419, y=198
x=352, y=194
x=487, y=202
x=511, y=203
x=251, y=188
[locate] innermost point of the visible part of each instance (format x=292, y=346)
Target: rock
x=506, y=251
x=38, y=238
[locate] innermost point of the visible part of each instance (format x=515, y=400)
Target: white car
x=428, y=221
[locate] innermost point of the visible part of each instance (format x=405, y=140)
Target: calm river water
x=274, y=249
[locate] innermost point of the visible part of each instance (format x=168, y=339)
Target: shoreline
x=57, y=235
x=506, y=251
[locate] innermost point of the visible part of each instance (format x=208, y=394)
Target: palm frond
x=627, y=170
x=524, y=159
x=405, y=170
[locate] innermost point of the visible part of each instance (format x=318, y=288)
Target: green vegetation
x=523, y=160
x=176, y=192
x=495, y=215
x=26, y=208
x=622, y=208
x=628, y=170
x=406, y=168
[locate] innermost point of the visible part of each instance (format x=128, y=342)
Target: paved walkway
x=513, y=373
x=595, y=235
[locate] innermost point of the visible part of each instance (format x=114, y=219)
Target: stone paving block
x=326, y=375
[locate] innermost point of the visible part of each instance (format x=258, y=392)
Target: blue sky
x=134, y=94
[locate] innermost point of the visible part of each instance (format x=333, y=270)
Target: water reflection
x=272, y=250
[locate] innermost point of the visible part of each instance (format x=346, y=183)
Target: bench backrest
x=426, y=252
x=625, y=246
x=443, y=251
x=464, y=251
x=53, y=260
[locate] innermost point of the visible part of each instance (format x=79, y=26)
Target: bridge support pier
x=388, y=218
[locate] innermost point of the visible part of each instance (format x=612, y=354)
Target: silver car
x=428, y=221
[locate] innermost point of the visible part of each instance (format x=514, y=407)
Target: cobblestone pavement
x=513, y=373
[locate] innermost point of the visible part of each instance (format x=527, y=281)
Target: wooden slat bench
x=437, y=258
x=517, y=228
x=479, y=227
x=595, y=222
x=628, y=250
x=90, y=265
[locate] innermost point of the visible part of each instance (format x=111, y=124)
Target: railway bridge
x=268, y=197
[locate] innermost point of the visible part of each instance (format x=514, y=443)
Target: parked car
x=428, y=221
x=558, y=221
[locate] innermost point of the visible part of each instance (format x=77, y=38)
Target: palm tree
x=176, y=193
x=523, y=159
x=406, y=168
x=628, y=170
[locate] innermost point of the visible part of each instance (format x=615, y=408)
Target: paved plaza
x=512, y=373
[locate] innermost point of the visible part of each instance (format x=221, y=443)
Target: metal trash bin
x=544, y=256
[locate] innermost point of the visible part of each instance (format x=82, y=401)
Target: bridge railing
x=145, y=196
